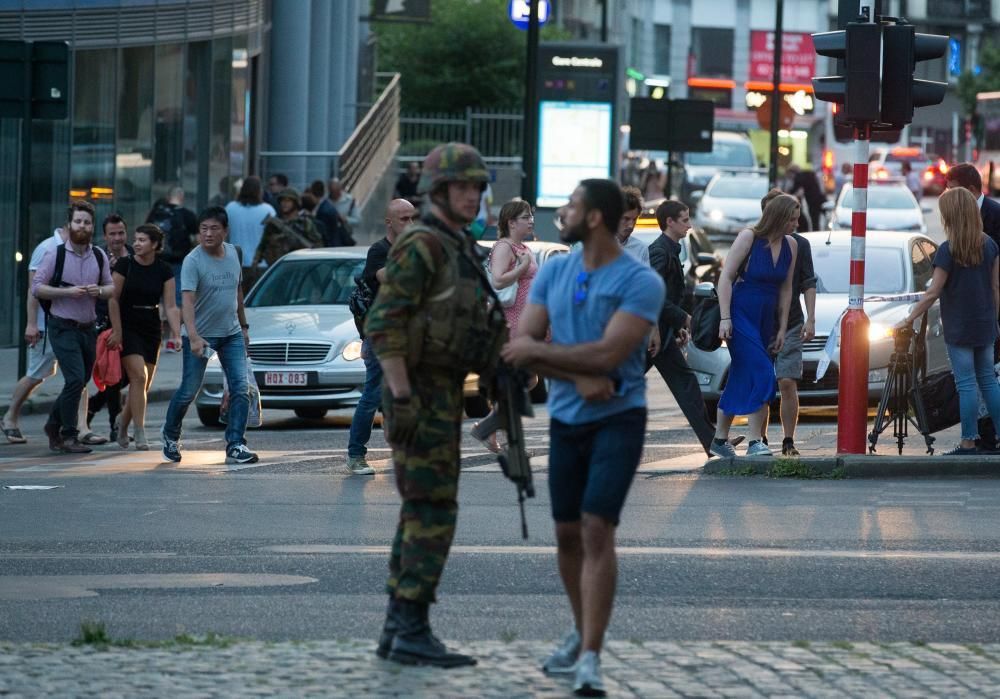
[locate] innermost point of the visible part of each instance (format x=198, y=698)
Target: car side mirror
x=696, y=195
x=707, y=258
x=704, y=290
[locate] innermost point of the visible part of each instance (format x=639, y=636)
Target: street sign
x=519, y=12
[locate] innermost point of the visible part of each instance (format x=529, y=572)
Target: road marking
x=36, y=587
x=707, y=552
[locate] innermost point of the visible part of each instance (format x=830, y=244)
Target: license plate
x=285, y=378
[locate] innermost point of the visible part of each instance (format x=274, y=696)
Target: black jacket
x=990, y=212
x=664, y=258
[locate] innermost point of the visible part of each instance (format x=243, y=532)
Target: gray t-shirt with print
x=215, y=281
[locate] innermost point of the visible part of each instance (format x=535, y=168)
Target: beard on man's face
x=573, y=234
x=79, y=236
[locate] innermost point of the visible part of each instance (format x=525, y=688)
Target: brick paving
x=651, y=669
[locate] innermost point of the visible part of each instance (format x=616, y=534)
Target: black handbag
x=939, y=396
x=705, y=320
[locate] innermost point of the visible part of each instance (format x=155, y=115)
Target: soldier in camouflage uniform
x=287, y=231
x=432, y=322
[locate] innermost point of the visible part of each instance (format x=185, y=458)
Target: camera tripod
x=900, y=404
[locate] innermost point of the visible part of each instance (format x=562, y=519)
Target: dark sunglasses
x=582, y=285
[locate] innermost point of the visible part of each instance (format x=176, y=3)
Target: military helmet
x=290, y=193
x=452, y=162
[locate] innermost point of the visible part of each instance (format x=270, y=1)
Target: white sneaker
x=588, y=682
x=562, y=661
x=758, y=448
x=358, y=466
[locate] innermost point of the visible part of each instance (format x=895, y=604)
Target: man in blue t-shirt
x=600, y=304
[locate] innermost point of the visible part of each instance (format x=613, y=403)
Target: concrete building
x=187, y=92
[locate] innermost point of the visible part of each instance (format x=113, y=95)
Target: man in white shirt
x=633, y=207
x=41, y=359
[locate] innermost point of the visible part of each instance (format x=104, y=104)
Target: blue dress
x=751, y=381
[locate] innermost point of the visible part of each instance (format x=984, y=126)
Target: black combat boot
x=415, y=644
x=389, y=630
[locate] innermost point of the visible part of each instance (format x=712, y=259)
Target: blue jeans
x=233, y=357
x=973, y=366
x=371, y=398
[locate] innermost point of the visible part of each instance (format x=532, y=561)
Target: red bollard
x=852, y=413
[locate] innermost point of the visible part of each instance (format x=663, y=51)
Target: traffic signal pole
x=852, y=417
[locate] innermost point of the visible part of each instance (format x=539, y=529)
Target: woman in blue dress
x=755, y=293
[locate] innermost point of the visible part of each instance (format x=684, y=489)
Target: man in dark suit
x=966, y=175
x=674, y=325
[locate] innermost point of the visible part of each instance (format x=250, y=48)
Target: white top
x=637, y=249
x=246, y=226
x=35, y=262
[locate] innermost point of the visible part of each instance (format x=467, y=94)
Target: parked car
x=475, y=404
x=891, y=207
x=896, y=263
x=304, y=345
x=730, y=203
x=699, y=259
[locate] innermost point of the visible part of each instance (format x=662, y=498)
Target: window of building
x=239, y=126
x=197, y=106
x=635, y=45
x=712, y=49
x=722, y=98
x=222, y=88
x=92, y=157
x=134, y=155
x=661, y=49
x=169, y=124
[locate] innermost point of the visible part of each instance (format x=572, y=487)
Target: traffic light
x=860, y=46
x=901, y=92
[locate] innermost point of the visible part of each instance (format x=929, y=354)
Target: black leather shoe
x=389, y=629
x=415, y=644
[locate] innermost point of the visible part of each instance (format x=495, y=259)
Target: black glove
x=402, y=421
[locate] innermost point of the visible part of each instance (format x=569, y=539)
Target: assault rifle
x=513, y=403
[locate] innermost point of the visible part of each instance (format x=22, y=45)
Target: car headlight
x=716, y=215
x=352, y=351
x=878, y=332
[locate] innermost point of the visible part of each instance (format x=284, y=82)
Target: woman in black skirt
x=142, y=282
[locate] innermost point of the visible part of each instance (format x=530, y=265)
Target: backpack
x=360, y=301
x=176, y=238
x=56, y=278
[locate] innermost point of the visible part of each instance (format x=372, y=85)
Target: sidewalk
x=651, y=669
x=168, y=378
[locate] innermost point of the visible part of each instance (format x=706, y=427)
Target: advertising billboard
x=798, y=57
x=574, y=143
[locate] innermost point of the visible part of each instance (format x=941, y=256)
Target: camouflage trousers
x=427, y=479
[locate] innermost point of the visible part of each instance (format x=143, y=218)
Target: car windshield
x=832, y=264
x=739, y=188
x=307, y=282
x=724, y=154
x=880, y=198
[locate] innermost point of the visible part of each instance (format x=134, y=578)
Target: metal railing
x=496, y=134
x=361, y=161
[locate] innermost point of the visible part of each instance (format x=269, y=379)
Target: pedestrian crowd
x=432, y=307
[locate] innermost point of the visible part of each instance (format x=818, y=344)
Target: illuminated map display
x=574, y=143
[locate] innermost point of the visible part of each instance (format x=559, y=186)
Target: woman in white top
x=246, y=222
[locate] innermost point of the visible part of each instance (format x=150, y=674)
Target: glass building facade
x=162, y=93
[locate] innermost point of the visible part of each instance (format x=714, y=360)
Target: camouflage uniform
x=281, y=237
x=434, y=310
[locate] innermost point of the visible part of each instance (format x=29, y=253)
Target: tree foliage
x=470, y=55
x=988, y=79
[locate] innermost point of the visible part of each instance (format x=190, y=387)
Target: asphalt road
x=295, y=549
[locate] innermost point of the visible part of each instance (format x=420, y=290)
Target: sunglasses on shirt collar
x=582, y=285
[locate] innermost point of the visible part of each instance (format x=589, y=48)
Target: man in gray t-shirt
x=214, y=320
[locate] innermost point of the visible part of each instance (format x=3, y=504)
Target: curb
x=35, y=406
x=856, y=466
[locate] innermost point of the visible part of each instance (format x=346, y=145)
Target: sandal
x=92, y=439
x=485, y=441
x=13, y=435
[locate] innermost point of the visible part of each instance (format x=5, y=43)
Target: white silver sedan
x=304, y=346
x=891, y=207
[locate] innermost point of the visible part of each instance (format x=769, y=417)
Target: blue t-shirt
x=968, y=313
x=623, y=285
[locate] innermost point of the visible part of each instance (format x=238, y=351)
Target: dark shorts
x=591, y=466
